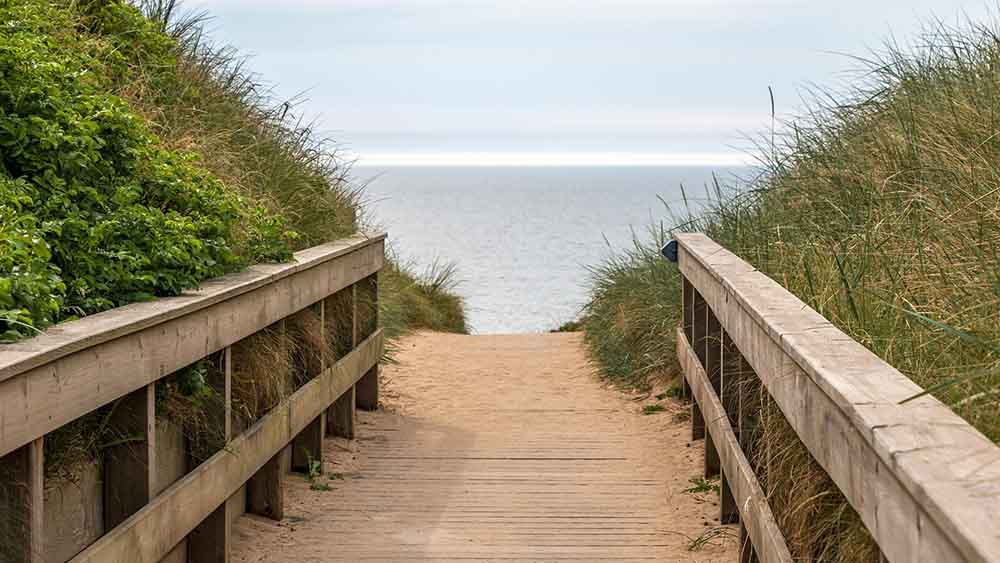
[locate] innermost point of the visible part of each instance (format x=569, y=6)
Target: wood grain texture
x=152, y=532
x=742, y=482
x=341, y=416
x=924, y=481
x=130, y=467
x=77, y=367
x=265, y=490
x=497, y=448
x=66, y=338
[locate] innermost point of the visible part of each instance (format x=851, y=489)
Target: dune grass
x=880, y=208
x=284, y=185
x=259, y=146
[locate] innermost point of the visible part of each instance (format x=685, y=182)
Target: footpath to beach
x=491, y=448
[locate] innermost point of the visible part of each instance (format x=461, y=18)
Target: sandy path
x=498, y=448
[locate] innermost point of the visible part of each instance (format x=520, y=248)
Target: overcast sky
x=634, y=80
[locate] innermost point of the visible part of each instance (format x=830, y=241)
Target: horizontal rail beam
x=152, y=532
x=77, y=367
x=924, y=481
x=750, y=498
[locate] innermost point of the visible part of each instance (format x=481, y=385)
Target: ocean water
x=522, y=237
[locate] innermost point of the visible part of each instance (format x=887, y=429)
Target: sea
x=523, y=238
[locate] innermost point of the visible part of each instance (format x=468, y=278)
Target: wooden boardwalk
x=498, y=448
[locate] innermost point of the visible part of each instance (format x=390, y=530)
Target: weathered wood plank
x=36, y=499
x=130, y=466
x=698, y=330
x=153, y=531
x=210, y=541
x=341, y=421
x=80, y=366
x=307, y=447
x=366, y=391
x=712, y=357
x=21, y=504
x=754, y=509
x=66, y=338
x=920, y=477
x=265, y=489
x=747, y=554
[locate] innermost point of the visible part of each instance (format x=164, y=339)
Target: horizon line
x=389, y=160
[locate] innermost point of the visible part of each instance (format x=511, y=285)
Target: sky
x=559, y=82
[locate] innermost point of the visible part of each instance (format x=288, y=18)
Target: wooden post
x=307, y=447
x=265, y=496
x=748, y=410
x=354, y=316
x=210, y=541
x=711, y=344
x=747, y=553
x=22, y=475
x=36, y=499
x=699, y=331
x=324, y=359
x=730, y=381
x=687, y=294
x=130, y=466
x=366, y=295
x=342, y=415
x=729, y=511
x=687, y=320
x=366, y=390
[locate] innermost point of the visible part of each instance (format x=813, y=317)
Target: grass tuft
x=653, y=409
x=880, y=208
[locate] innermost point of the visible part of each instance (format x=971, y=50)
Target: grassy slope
x=258, y=146
x=880, y=209
x=191, y=118
x=220, y=130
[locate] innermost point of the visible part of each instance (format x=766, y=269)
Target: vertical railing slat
x=130, y=464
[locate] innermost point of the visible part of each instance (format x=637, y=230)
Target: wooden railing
x=925, y=483
x=117, y=357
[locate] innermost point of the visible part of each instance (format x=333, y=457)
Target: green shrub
x=98, y=214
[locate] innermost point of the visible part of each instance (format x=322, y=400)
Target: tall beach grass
x=208, y=103
x=879, y=207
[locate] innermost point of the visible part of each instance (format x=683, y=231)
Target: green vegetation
x=411, y=301
x=701, y=485
x=633, y=312
x=653, y=409
x=81, y=174
x=138, y=159
x=880, y=208
x=313, y=472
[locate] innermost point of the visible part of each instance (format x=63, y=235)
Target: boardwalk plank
x=497, y=449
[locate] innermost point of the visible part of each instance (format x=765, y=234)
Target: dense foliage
x=95, y=212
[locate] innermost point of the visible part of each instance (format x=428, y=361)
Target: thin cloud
x=550, y=159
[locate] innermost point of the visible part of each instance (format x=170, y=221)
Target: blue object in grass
x=670, y=251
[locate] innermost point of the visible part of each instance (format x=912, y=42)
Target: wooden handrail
x=118, y=356
x=77, y=367
x=924, y=481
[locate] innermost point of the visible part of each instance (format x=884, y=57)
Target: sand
x=499, y=448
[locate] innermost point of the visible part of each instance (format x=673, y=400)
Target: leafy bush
x=96, y=213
